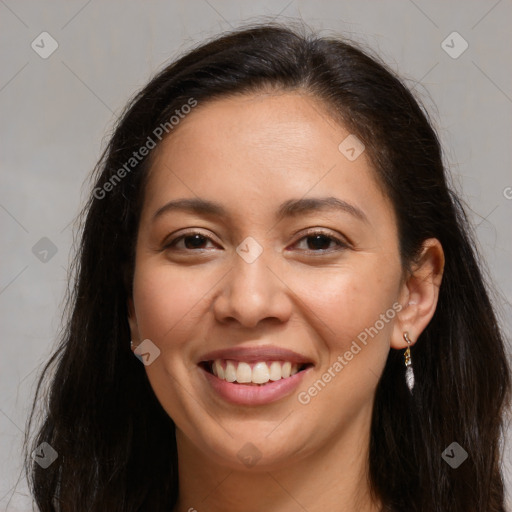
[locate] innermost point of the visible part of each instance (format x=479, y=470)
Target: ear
x=132, y=321
x=419, y=294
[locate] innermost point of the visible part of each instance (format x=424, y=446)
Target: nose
x=253, y=293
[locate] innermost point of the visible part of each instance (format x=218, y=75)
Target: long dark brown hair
x=115, y=443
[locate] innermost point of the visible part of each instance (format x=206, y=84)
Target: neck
x=333, y=477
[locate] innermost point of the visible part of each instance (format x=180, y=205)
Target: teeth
x=286, y=370
x=218, y=370
x=257, y=373
x=275, y=370
x=260, y=373
x=230, y=374
x=243, y=373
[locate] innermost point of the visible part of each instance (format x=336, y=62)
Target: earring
x=409, y=374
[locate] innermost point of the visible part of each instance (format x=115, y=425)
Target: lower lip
x=242, y=394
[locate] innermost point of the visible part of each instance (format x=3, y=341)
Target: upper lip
x=255, y=354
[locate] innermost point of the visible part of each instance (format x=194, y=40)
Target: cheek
x=168, y=300
x=354, y=315
x=349, y=302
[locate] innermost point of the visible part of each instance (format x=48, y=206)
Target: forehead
x=258, y=125
x=266, y=147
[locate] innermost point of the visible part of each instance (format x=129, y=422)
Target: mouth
x=253, y=375
x=257, y=373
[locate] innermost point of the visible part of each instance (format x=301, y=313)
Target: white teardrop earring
x=409, y=374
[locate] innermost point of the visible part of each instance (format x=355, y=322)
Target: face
x=268, y=276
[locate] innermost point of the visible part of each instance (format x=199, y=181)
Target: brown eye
x=194, y=241
x=189, y=241
x=320, y=242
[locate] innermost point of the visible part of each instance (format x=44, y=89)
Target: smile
x=259, y=373
x=253, y=375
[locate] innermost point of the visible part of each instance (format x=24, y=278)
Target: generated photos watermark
x=146, y=352
x=44, y=455
x=305, y=397
x=454, y=455
x=249, y=455
x=137, y=156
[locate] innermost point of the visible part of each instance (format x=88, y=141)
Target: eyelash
x=341, y=244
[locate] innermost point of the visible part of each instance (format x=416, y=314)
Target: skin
x=251, y=153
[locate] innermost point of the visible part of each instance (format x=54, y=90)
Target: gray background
x=57, y=113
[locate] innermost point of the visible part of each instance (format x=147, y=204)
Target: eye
x=189, y=241
x=315, y=241
x=320, y=242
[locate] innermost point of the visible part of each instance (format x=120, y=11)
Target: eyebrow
x=290, y=208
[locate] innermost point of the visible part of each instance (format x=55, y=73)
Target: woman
x=277, y=302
